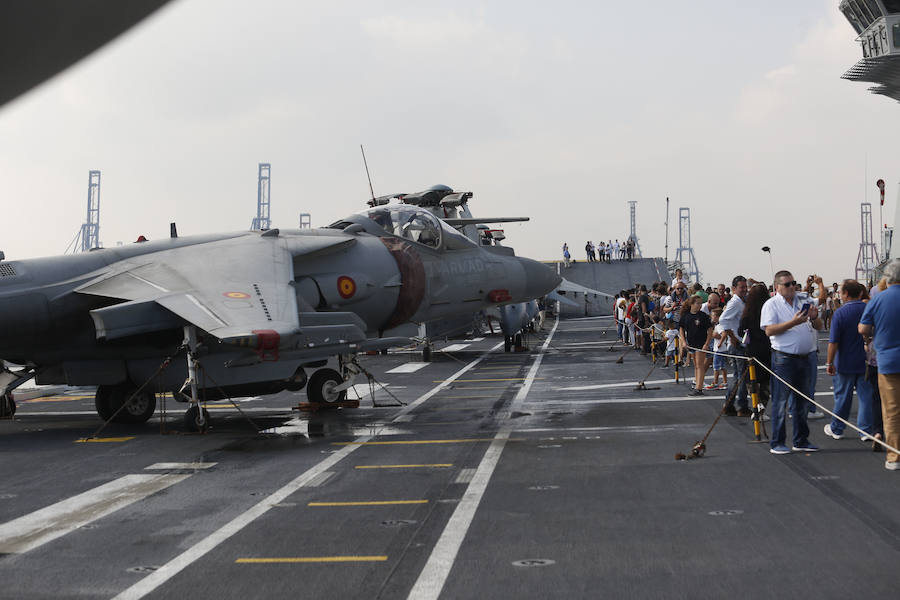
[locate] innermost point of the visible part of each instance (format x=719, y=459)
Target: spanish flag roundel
x=346, y=287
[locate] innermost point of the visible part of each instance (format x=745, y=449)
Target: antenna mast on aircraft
x=369, y=177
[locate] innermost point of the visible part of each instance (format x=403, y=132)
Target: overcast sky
x=560, y=112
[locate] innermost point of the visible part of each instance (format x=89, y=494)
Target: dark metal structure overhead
x=884, y=70
x=40, y=38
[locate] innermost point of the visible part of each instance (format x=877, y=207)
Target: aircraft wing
x=569, y=287
x=462, y=222
x=238, y=290
x=560, y=298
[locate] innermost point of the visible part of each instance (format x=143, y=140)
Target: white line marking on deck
x=478, y=339
x=44, y=525
x=603, y=386
x=433, y=576
x=455, y=347
x=410, y=367
x=320, y=479
x=644, y=400
x=152, y=581
x=177, y=465
x=465, y=476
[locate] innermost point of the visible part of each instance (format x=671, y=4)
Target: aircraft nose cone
x=539, y=278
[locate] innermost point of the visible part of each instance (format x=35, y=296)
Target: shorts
x=670, y=353
x=719, y=362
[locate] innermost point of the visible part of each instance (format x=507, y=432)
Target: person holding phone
x=789, y=322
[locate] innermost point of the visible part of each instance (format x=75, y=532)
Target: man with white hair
x=880, y=326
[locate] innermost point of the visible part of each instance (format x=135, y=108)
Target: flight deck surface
x=539, y=474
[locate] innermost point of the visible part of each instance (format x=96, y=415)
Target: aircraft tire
x=109, y=399
x=518, y=340
x=192, y=419
x=507, y=343
x=426, y=354
x=320, y=388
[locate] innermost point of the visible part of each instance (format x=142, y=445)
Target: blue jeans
x=810, y=388
x=796, y=372
x=619, y=327
x=844, y=384
x=813, y=374
x=738, y=365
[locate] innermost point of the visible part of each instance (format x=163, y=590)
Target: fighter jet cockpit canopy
x=411, y=223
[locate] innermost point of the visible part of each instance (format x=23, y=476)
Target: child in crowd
x=721, y=345
x=671, y=336
x=657, y=336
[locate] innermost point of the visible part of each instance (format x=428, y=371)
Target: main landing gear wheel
x=507, y=343
x=192, y=420
x=321, y=387
x=110, y=398
x=426, y=354
x=7, y=406
x=518, y=340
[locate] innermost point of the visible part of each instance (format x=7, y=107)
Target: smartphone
x=805, y=308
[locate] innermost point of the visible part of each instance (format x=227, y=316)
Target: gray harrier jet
x=252, y=311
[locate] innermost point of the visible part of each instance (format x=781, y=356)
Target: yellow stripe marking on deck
x=55, y=399
x=310, y=559
x=465, y=387
x=370, y=503
x=109, y=439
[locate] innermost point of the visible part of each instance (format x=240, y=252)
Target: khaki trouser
x=889, y=386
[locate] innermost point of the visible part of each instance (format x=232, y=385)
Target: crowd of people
x=778, y=326
x=602, y=251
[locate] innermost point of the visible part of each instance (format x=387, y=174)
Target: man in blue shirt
x=880, y=323
x=846, y=363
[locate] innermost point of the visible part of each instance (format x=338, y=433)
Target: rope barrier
x=804, y=396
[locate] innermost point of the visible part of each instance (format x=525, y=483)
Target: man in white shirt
x=788, y=321
x=730, y=320
x=620, y=304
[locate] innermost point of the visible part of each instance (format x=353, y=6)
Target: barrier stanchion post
x=754, y=399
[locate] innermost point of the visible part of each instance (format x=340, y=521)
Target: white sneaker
x=892, y=466
x=815, y=415
x=831, y=433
